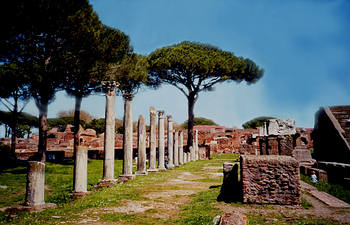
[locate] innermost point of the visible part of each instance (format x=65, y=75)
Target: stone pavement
x=326, y=198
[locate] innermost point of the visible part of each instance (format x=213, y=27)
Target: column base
x=105, y=183
x=125, y=178
x=152, y=170
x=141, y=173
x=162, y=169
x=171, y=166
x=24, y=208
x=78, y=195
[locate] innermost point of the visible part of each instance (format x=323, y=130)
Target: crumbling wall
x=270, y=179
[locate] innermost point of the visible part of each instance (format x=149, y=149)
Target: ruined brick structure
x=270, y=179
x=331, y=134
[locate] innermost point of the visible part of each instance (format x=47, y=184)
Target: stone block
x=270, y=179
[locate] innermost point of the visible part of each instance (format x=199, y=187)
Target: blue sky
x=303, y=46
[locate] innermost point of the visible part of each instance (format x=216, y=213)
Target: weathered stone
x=270, y=179
x=141, y=162
x=176, y=148
x=161, y=146
x=181, y=148
x=153, y=139
x=35, y=184
x=196, y=148
x=234, y=218
x=185, y=157
x=108, y=162
x=127, y=142
x=170, y=143
x=81, y=164
x=231, y=188
x=281, y=127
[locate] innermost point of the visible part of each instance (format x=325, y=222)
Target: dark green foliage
x=24, y=122
x=256, y=122
x=194, y=67
x=62, y=122
x=199, y=121
x=7, y=157
x=131, y=73
x=99, y=125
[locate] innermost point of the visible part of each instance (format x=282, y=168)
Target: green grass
x=305, y=204
x=333, y=189
x=58, y=181
x=201, y=210
x=224, y=156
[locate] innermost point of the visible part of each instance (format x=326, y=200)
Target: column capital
x=109, y=85
x=170, y=118
x=152, y=110
x=161, y=114
x=128, y=96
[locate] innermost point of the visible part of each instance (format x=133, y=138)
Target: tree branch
x=24, y=105
x=6, y=105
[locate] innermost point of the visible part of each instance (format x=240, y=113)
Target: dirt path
x=161, y=201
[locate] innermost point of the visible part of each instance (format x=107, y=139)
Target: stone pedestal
x=153, y=139
x=35, y=184
x=161, y=146
x=170, y=143
x=270, y=179
x=127, y=139
x=109, y=136
x=81, y=163
x=141, y=162
x=176, y=148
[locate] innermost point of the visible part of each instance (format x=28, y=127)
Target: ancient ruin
x=270, y=179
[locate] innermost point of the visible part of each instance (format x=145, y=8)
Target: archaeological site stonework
x=270, y=179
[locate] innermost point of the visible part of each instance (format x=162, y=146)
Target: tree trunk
x=42, y=130
x=14, y=125
x=78, y=100
x=191, y=101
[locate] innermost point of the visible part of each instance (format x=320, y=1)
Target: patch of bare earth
x=163, y=203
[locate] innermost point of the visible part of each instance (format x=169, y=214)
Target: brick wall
x=270, y=179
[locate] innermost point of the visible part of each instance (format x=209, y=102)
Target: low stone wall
x=270, y=179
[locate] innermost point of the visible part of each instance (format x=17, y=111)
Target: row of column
x=176, y=155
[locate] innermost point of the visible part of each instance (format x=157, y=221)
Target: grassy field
x=200, y=206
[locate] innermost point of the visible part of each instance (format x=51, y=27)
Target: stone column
x=170, y=143
x=181, y=147
x=192, y=152
x=109, y=135
x=153, y=140
x=35, y=184
x=196, y=148
x=80, y=184
x=141, y=162
x=176, y=148
x=161, y=146
x=127, y=139
x=185, y=157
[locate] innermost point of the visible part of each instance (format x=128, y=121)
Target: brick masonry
x=270, y=179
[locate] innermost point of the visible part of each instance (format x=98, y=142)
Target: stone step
x=326, y=198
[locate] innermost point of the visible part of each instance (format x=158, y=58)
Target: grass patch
x=224, y=156
x=334, y=189
x=201, y=210
x=305, y=204
x=120, y=217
